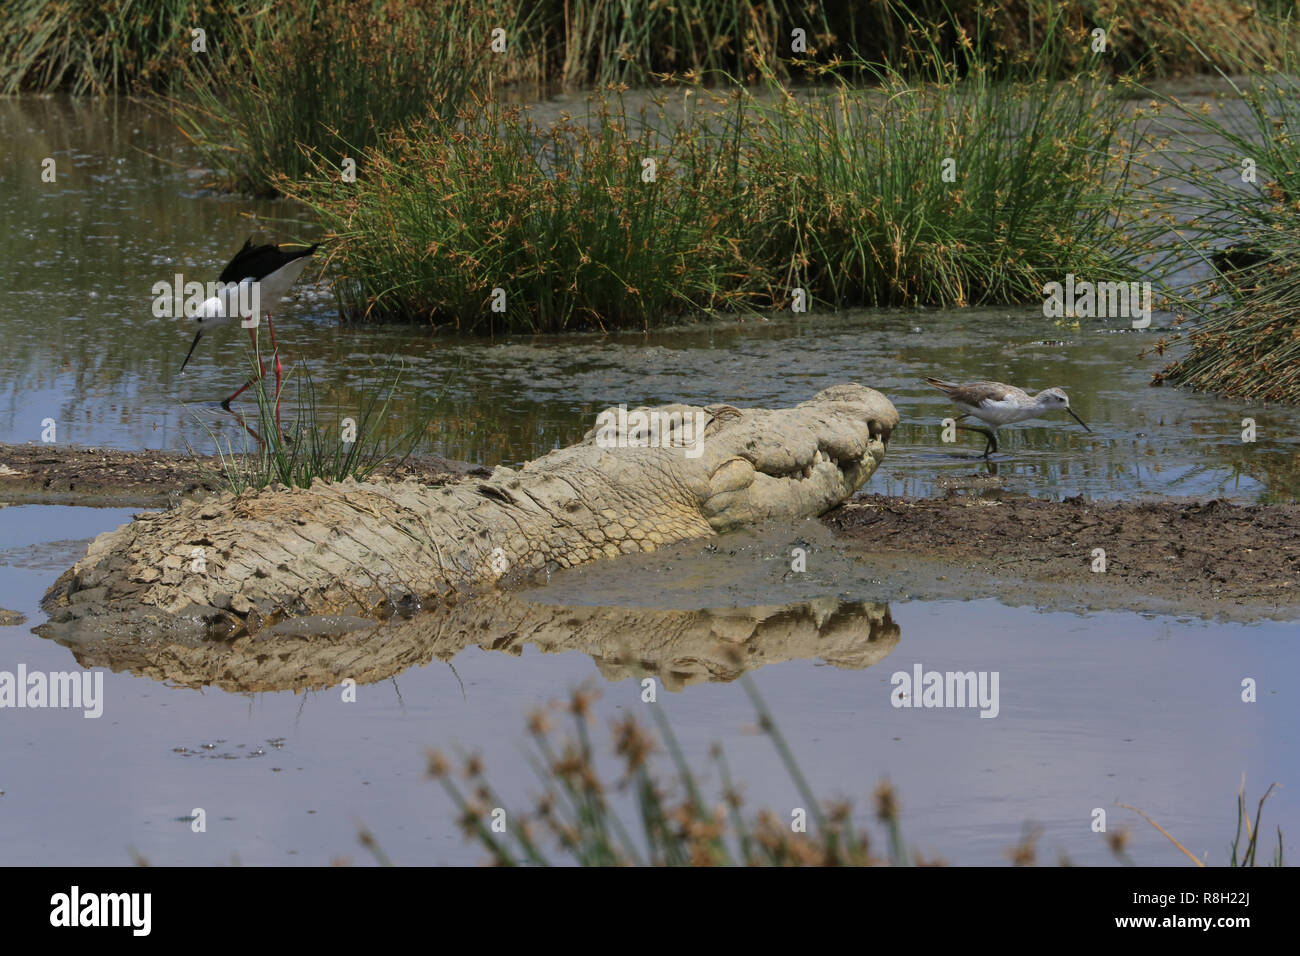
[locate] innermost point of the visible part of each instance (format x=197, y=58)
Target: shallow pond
x=79, y=345
x=1093, y=709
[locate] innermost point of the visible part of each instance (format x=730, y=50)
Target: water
x=1095, y=709
x=80, y=345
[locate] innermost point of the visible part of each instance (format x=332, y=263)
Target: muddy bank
x=1207, y=559
x=68, y=475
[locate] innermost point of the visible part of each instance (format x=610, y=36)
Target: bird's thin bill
x=1077, y=418
x=197, y=335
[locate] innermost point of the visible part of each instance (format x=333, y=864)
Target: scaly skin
x=235, y=564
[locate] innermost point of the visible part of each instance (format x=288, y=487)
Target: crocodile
x=233, y=565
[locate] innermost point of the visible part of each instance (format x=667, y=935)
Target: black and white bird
x=996, y=404
x=260, y=274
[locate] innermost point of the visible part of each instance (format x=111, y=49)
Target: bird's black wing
x=258, y=262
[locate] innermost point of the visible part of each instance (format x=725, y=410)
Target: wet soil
x=1206, y=559
x=69, y=475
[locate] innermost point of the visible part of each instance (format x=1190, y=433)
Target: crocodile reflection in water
x=678, y=647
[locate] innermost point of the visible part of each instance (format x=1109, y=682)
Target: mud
x=1204, y=559
x=68, y=475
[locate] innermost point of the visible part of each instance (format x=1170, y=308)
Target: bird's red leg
x=275, y=349
x=262, y=365
x=248, y=428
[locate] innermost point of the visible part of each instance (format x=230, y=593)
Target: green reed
x=313, y=446
x=341, y=72
x=102, y=46
x=1249, y=348
x=854, y=203
x=564, y=219
x=754, y=193
x=1232, y=207
x=99, y=46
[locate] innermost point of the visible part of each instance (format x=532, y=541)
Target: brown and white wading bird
x=997, y=404
x=272, y=271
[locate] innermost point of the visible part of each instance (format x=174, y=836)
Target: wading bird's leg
x=248, y=428
x=275, y=351
x=252, y=335
x=990, y=439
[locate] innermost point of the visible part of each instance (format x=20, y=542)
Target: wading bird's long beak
x=1067, y=408
x=199, y=334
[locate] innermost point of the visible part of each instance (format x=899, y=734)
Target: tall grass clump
x=1157, y=37
x=110, y=46
x=313, y=445
x=947, y=184
x=1230, y=187
x=580, y=42
x=565, y=219
x=592, y=42
x=852, y=199
x=103, y=46
x=1248, y=349
x=333, y=79
x=753, y=193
